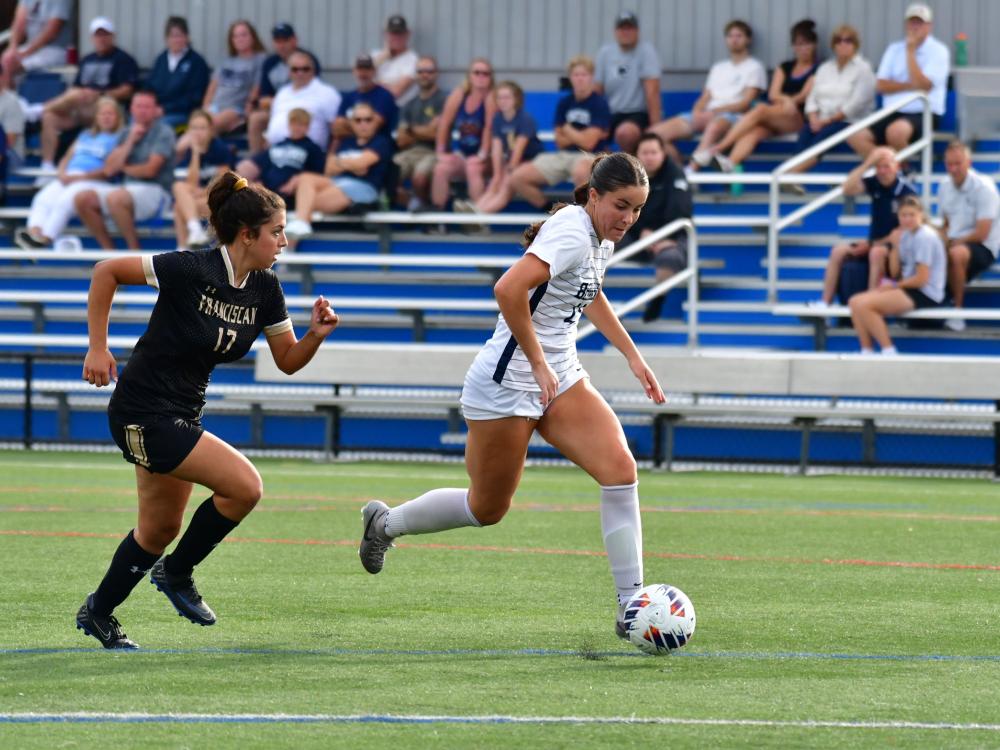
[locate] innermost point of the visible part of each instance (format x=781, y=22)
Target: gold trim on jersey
x=150, y=271
x=136, y=444
x=278, y=328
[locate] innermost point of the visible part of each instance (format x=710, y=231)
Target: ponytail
x=234, y=204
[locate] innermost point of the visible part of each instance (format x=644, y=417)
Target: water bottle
x=736, y=188
x=961, y=49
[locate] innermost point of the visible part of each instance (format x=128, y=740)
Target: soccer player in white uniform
x=528, y=377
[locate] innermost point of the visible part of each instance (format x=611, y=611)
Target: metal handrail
x=780, y=177
x=689, y=275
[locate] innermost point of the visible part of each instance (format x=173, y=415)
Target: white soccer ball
x=659, y=618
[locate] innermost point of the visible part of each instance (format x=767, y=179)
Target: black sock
x=208, y=527
x=128, y=566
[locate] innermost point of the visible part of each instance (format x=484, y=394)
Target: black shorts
x=916, y=120
x=980, y=259
x=639, y=118
x=920, y=300
x=159, y=445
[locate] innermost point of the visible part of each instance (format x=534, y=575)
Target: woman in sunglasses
x=469, y=110
x=354, y=174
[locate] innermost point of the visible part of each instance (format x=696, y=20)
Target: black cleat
x=374, y=544
x=105, y=629
x=183, y=594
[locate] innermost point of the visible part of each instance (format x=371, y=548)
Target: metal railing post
x=928, y=152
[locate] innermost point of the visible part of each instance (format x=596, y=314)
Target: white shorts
x=50, y=56
x=484, y=398
x=149, y=199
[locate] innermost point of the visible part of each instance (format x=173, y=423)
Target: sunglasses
x=302, y=69
x=428, y=71
x=844, y=39
x=362, y=119
x=482, y=72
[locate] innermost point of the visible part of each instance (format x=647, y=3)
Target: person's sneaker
x=702, y=157
x=724, y=163
x=464, y=206
x=819, y=304
x=415, y=205
x=105, y=629
x=792, y=189
x=955, y=324
x=297, y=228
x=199, y=239
x=374, y=542
x=183, y=594
x=25, y=240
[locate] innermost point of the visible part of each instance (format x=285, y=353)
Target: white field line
x=84, y=717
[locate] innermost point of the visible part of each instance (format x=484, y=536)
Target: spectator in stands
x=783, y=111
x=918, y=63
x=469, y=109
x=515, y=142
x=378, y=97
x=228, y=96
x=179, y=75
x=730, y=89
x=886, y=188
x=970, y=207
x=81, y=168
x=843, y=91
x=917, y=268
x=39, y=35
x=396, y=63
x=145, y=158
x=628, y=74
x=278, y=168
x=582, y=126
x=669, y=199
x=12, y=121
x=273, y=75
x=107, y=71
x=205, y=156
x=417, y=133
x=354, y=174
x=304, y=91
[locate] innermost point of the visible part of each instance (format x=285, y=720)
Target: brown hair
x=805, y=30
x=258, y=45
x=845, y=29
x=300, y=116
x=467, y=81
x=231, y=209
x=514, y=89
x=911, y=201
x=608, y=172
x=580, y=61
x=743, y=26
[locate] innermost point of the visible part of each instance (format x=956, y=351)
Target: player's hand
x=324, y=319
x=99, y=367
x=546, y=378
x=648, y=380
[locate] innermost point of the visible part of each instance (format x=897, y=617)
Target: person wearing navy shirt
x=582, y=128
x=179, y=75
x=278, y=168
x=204, y=155
x=211, y=307
x=886, y=188
x=378, y=97
x=107, y=70
x=354, y=175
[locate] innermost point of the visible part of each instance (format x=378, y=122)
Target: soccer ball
x=659, y=618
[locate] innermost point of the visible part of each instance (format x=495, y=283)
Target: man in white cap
x=917, y=63
x=107, y=71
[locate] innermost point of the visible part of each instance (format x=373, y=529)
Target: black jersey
x=200, y=319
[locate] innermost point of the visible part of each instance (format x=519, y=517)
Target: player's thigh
x=162, y=500
x=580, y=425
x=495, y=451
x=217, y=465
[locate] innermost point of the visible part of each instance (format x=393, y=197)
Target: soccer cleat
x=105, y=629
x=183, y=594
x=374, y=542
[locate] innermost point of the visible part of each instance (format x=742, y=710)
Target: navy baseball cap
x=626, y=18
x=396, y=25
x=282, y=31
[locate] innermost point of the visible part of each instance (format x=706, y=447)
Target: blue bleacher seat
x=39, y=86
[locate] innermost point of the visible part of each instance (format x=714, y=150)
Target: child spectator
x=81, y=168
x=278, y=168
x=205, y=156
x=228, y=96
x=515, y=142
x=179, y=75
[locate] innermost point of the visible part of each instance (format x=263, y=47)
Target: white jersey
x=568, y=243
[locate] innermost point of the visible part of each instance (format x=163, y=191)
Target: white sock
x=622, y=529
x=437, y=510
x=194, y=226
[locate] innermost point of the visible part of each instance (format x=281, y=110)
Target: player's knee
x=620, y=470
x=492, y=515
x=156, y=536
x=251, y=489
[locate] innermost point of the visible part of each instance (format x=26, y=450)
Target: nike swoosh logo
x=97, y=627
x=368, y=528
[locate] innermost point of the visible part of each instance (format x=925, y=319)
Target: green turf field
x=832, y=612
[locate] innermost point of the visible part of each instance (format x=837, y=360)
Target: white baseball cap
x=919, y=10
x=102, y=23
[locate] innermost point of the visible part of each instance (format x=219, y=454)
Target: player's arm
x=511, y=293
x=291, y=354
x=601, y=314
x=99, y=367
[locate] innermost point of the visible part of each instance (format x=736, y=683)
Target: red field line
x=546, y=551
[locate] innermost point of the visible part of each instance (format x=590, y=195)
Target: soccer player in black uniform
x=212, y=305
